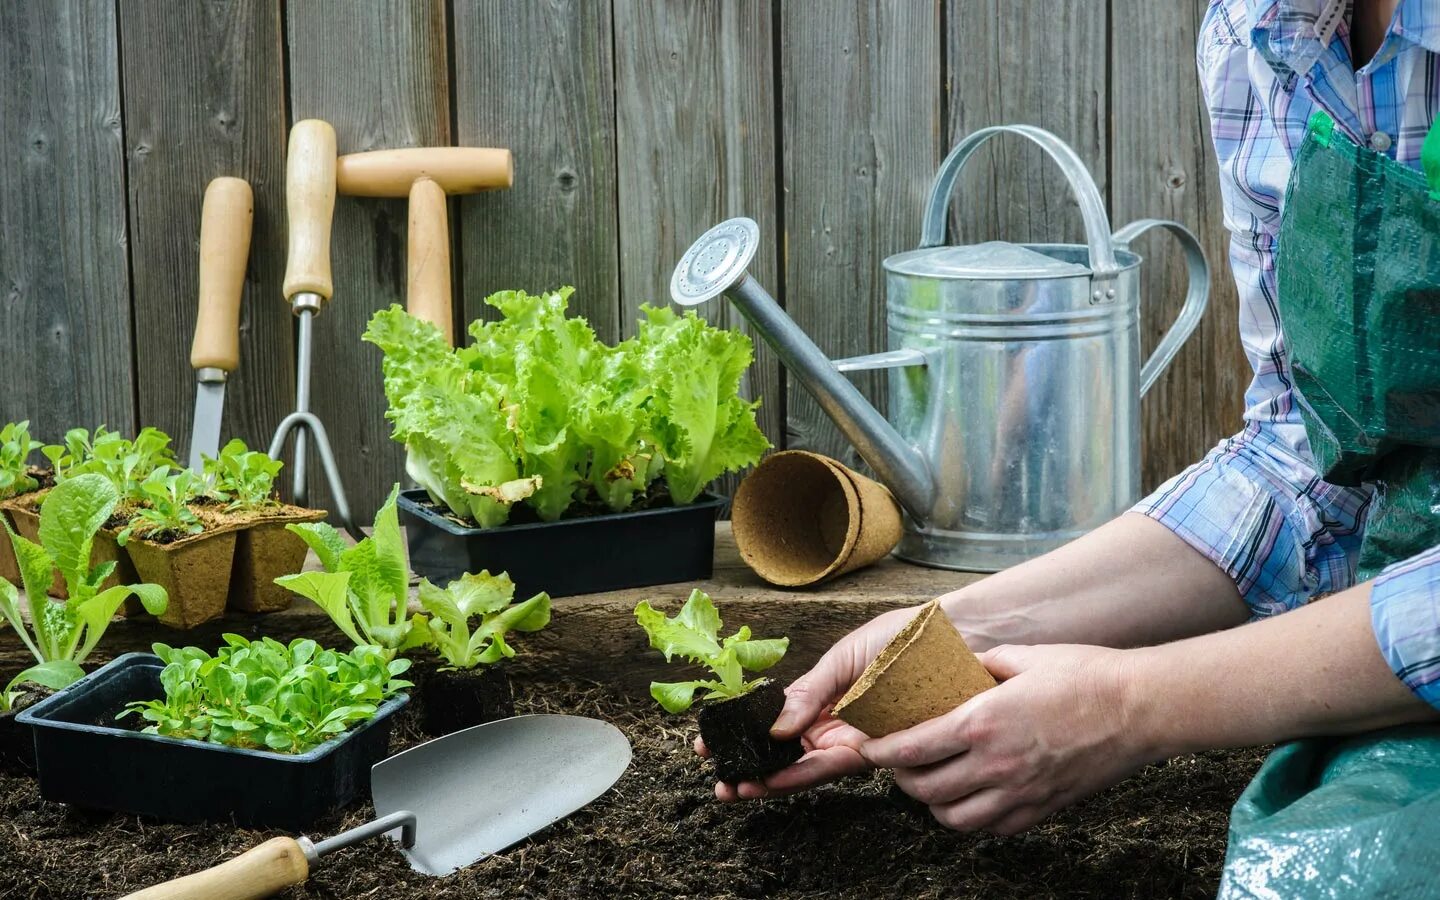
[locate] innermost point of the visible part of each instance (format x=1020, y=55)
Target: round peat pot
x=737, y=734
x=86, y=758
x=455, y=699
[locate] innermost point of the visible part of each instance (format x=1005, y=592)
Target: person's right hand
x=832, y=747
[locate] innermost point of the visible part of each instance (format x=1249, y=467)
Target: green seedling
x=164, y=513
x=16, y=446
x=123, y=462
x=60, y=635
x=486, y=598
x=242, y=478
x=267, y=695
x=693, y=634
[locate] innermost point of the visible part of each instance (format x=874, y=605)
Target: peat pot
x=85, y=758
x=1014, y=395
x=583, y=555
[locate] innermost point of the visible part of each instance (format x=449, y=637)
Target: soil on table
x=660, y=834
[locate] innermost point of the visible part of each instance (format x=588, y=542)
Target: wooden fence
x=635, y=125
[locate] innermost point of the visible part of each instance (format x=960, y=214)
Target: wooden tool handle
x=257, y=873
x=225, y=221
x=428, y=291
x=309, y=207
x=458, y=170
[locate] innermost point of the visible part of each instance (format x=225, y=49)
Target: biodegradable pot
x=737, y=734
x=85, y=758
x=264, y=550
x=194, y=571
x=9, y=567
x=925, y=671
x=453, y=700
x=801, y=519
x=104, y=548
x=583, y=555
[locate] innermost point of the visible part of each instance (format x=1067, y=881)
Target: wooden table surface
x=594, y=636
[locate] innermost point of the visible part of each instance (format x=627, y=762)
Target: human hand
x=832, y=747
x=1061, y=726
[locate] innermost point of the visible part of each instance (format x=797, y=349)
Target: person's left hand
x=1060, y=726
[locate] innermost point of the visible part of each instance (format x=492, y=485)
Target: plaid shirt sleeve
x=1255, y=505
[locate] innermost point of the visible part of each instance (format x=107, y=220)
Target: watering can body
x=1016, y=376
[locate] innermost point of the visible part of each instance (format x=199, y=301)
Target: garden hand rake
x=309, y=207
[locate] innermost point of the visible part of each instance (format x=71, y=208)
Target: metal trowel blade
x=477, y=791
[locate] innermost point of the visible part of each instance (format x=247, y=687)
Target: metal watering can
x=1014, y=408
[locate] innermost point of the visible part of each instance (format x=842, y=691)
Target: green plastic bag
x=1340, y=818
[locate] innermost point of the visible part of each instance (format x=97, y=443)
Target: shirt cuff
x=1405, y=613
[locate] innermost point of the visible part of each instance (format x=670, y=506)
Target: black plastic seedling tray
x=98, y=766
x=584, y=555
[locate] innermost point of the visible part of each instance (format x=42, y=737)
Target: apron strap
x=1430, y=158
x=1321, y=127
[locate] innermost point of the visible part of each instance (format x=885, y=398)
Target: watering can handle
x=1197, y=295
x=1092, y=207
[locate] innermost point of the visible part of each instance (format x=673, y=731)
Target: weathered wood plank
x=1035, y=64
x=203, y=83
x=695, y=132
x=595, y=636
x=538, y=78
x=378, y=72
x=862, y=130
x=65, y=329
x=1164, y=166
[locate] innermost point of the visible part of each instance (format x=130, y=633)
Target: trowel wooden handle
x=261, y=872
x=390, y=173
x=309, y=207
x=225, y=220
x=428, y=292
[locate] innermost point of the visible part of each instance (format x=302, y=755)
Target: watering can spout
x=716, y=264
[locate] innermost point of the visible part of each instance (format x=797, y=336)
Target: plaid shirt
x=1255, y=504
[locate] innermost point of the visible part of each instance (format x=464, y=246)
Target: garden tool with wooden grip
x=309, y=209
x=427, y=175
x=454, y=800
x=226, y=216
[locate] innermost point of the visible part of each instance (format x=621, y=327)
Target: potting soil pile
x=660, y=834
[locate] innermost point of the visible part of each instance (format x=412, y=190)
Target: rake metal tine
x=300, y=422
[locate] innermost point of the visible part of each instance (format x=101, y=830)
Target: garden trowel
x=454, y=800
x=226, y=216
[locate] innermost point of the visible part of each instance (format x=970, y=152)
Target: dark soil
x=660, y=834
x=737, y=734
x=451, y=700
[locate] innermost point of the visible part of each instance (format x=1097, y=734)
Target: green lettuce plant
x=693, y=634
x=365, y=587
x=267, y=695
x=242, y=478
x=16, y=446
x=164, y=513
x=60, y=635
x=484, y=600
x=125, y=463
x=537, y=410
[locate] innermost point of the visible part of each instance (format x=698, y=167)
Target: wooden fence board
x=862, y=130
x=1164, y=167
x=695, y=123
x=65, y=329
x=378, y=72
x=538, y=78
x=203, y=83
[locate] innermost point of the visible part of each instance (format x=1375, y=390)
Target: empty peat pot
x=801, y=518
x=737, y=734
x=925, y=671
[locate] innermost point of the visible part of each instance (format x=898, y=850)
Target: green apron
x=1358, y=277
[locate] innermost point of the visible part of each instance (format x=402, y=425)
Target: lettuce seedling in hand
x=364, y=588
x=693, y=634
x=16, y=446
x=60, y=635
x=242, y=478
x=484, y=597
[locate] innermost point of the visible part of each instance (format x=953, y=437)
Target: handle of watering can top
x=1092, y=207
x=257, y=873
x=1197, y=295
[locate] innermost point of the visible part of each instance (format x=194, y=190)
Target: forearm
x=1317, y=670
x=1129, y=583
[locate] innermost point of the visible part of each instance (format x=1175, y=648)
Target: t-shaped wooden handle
x=428, y=290
x=457, y=170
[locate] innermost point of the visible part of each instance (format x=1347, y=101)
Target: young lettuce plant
x=267, y=695
x=125, y=463
x=164, y=513
x=60, y=635
x=484, y=597
x=364, y=588
x=693, y=634
x=16, y=446
x=242, y=478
